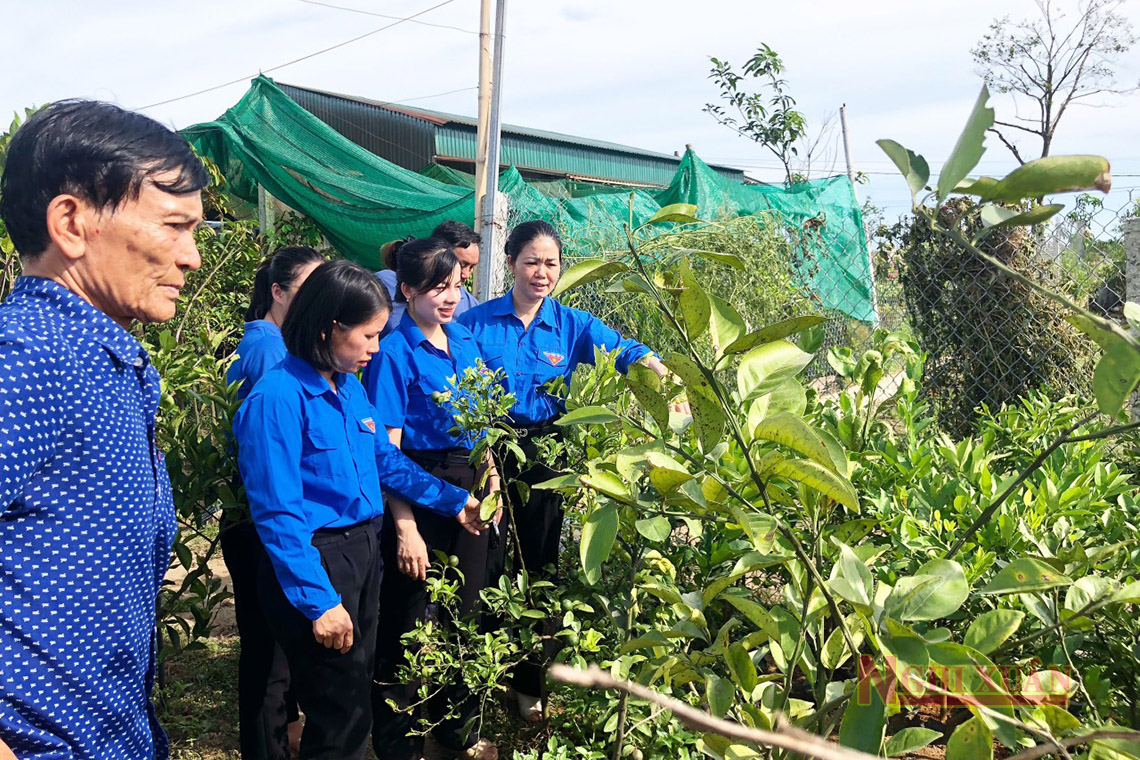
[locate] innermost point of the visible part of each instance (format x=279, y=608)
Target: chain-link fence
x=989, y=340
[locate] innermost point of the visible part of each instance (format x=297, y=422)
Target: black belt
x=348, y=531
x=440, y=456
x=538, y=429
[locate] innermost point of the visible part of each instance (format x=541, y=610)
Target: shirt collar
x=546, y=313
x=311, y=380
x=504, y=306
x=98, y=326
x=262, y=326
x=416, y=338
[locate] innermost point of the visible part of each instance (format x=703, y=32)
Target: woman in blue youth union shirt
x=415, y=362
x=267, y=711
x=535, y=340
x=313, y=464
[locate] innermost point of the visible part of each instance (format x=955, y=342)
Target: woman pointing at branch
x=534, y=339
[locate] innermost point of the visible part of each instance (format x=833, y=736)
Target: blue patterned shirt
x=556, y=342
x=86, y=525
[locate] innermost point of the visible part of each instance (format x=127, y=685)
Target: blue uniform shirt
x=558, y=340
x=261, y=349
x=403, y=375
x=388, y=277
x=86, y=526
x=310, y=459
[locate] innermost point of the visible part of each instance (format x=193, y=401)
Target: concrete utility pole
x=855, y=192
x=484, y=110
x=492, y=208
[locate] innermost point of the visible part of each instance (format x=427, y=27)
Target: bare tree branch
x=785, y=735
x=1008, y=144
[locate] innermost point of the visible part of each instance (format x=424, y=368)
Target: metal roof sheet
x=440, y=118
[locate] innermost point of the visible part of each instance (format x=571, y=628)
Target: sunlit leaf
x=1050, y=175
x=1024, y=575
x=598, y=534
x=912, y=166
x=969, y=148
x=675, y=212
x=587, y=271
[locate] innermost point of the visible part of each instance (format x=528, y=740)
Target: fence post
x=1132, y=280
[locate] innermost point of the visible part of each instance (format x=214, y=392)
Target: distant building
x=416, y=138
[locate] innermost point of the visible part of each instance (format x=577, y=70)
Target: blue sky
x=632, y=72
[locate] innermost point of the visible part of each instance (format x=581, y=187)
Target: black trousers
x=537, y=522
x=265, y=704
x=332, y=689
x=403, y=601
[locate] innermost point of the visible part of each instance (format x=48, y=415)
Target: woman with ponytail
x=267, y=712
x=276, y=282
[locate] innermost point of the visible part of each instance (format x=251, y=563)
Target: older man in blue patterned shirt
x=101, y=204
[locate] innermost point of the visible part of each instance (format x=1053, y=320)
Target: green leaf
x=1100, y=334
x=727, y=325
x=865, y=719
x=756, y=614
x=694, y=302
x=1115, y=377
x=1052, y=174
x=1132, y=314
x=979, y=186
x=969, y=148
x=741, y=667
x=910, y=740
x=645, y=384
x=1024, y=575
x=675, y=212
x=608, y=484
x=667, y=474
x=774, y=331
x=906, y=655
x=587, y=271
x=971, y=741
x=655, y=529
x=559, y=483
x=788, y=430
x=598, y=534
x=729, y=259
x=768, y=365
x=812, y=475
x=996, y=216
x=489, y=506
x=708, y=414
x=914, y=169
x=835, y=651
x=721, y=694
x=588, y=415
x=850, y=578
x=853, y=531
x=991, y=629
x=938, y=589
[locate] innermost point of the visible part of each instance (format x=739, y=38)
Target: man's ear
x=69, y=222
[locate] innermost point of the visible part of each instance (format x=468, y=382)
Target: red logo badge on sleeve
x=370, y=423
x=553, y=358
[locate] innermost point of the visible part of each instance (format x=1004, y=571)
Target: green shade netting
x=360, y=201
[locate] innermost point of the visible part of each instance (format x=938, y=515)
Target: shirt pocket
x=319, y=456
x=552, y=362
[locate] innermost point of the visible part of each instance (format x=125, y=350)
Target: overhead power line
x=385, y=15
x=298, y=60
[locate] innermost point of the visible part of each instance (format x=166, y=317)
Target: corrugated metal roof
x=440, y=118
